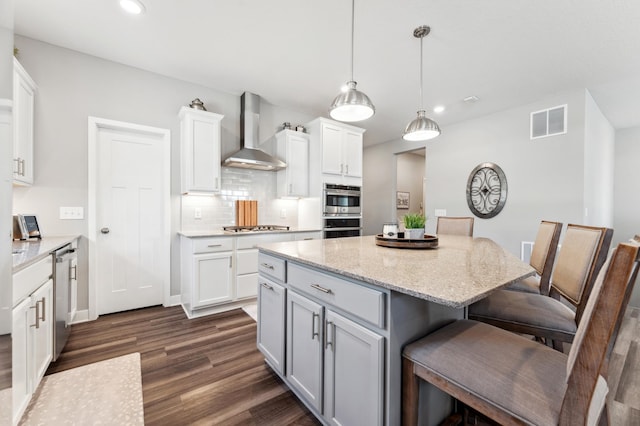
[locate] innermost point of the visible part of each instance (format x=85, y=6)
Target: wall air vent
x=549, y=122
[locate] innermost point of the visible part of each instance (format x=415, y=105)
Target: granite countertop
x=31, y=251
x=221, y=233
x=460, y=271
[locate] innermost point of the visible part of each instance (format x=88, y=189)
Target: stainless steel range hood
x=249, y=156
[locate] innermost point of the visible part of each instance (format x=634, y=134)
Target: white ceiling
x=295, y=53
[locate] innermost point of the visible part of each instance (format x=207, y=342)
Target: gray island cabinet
x=334, y=315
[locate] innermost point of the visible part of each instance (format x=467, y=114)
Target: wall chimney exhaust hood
x=249, y=156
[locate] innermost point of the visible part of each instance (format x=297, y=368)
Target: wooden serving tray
x=428, y=242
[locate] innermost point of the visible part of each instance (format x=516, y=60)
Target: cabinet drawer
x=253, y=241
x=211, y=245
x=272, y=266
x=29, y=279
x=363, y=302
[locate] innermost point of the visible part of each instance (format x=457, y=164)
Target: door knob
x=105, y=230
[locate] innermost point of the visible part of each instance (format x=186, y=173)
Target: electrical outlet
x=283, y=213
x=197, y=213
x=440, y=212
x=71, y=213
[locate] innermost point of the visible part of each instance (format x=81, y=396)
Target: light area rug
x=251, y=310
x=103, y=393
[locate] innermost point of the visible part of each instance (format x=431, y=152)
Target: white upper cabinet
x=24, y=89
x=200, y=150
x=335, y=154
x=293, y=148
x=341, y=149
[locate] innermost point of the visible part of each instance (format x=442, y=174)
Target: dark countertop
x=31, y=251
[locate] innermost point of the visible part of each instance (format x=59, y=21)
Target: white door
x=129, y=267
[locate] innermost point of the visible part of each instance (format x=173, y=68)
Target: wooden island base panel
x=335, y=314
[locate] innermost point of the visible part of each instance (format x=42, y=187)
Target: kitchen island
x=335, y=314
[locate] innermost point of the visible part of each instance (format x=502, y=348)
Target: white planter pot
x=414, y=234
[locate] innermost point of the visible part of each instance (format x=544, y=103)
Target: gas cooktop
x=255, y=228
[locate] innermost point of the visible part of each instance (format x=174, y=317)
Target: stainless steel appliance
x=341, y=200
x=256, y=228
x=62, y=275
x=339, y=227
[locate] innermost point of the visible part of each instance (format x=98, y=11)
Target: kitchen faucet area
x=279, y=213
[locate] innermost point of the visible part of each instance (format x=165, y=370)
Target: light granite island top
x=460, y=271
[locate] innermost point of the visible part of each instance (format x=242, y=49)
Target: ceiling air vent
x=549, y=122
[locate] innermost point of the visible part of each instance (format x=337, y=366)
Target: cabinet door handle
x=346, y=172
x=214, y=245
x=230, y=261
x=322, y=289
x=266, y=265
x=17, y=169
x=290, y=188
x=267, y=286
x=328, y=325
x=22, y=169
x=217, y=187
x=341, y=168
x=314, y=333
x=37, y=308
x=73, y=276
x=44, y=309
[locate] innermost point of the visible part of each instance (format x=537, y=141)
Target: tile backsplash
x=239, y=184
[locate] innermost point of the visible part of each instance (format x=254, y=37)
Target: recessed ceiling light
x=135, y=7
x=438, y=109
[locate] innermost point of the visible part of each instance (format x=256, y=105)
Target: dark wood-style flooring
x=208, y=371
x=204, y=371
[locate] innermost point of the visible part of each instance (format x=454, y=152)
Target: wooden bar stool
x=514, y=380
x=543, y=256
x=584, y=250
x=455, y=226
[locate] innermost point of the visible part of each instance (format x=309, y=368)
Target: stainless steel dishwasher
x=62, y=264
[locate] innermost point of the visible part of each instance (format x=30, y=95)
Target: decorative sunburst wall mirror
x=486, y=190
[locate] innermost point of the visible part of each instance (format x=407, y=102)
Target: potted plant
x=414, y=225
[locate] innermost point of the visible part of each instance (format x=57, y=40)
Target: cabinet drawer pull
x=322, y=289
x=314, y=333
x=73, y=276
x=267, y=286
x=44, y=310
x=328, y=325
x=268, y=266
x=214, y=245
x=308, y=239
x=37, y=308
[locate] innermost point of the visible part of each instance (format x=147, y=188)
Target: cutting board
x=247, y=212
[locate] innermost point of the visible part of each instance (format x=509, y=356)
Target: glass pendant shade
x=351, y=105
x=421, y=128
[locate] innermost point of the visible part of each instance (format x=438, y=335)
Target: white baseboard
x=174, y=300
x=81, y=316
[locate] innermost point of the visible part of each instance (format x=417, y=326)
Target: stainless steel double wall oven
x=342, y=210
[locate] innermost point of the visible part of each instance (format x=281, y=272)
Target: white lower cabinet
x=334, y=363
x=32, y=345
x=304, y=348
x=213, y=279
x=271, y=322
x=353, y=373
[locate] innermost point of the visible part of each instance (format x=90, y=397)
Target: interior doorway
x=410, y=185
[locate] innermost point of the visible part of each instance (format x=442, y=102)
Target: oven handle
x=342, y=229
x=342, y=192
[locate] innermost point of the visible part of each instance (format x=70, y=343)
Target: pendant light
x=351, y=105
x=422, y=128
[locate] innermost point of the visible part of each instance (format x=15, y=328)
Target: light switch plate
x=197, y=214
x=71, y=213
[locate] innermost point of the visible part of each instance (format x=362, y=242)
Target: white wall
x=626, y=217
x=599, y=142
x=379, y=172
x=545, y=176
x=410, y=178
x=73, y=86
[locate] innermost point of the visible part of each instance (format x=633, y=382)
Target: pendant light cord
x=353, y=13
x=421, y=94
